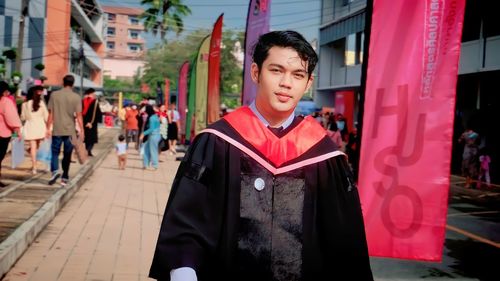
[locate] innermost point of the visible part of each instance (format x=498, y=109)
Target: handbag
x=17, y=150
x=44, y=153
x=80, y=149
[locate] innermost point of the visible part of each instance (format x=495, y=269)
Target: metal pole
x=20, y=40
x=82, y=60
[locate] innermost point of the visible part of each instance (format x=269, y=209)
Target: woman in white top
x=34, y=114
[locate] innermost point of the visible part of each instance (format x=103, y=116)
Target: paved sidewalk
x=28, y=203
x=107, y=231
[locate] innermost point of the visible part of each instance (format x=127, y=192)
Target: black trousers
x=4, y=143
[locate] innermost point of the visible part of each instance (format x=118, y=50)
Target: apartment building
x=341, y=57
x=59, y=34
x=125, y=45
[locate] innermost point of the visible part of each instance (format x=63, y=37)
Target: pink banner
x=182, y=95
x=408, y=126
x=259, y=12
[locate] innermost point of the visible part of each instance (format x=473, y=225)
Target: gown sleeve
x=191, y=223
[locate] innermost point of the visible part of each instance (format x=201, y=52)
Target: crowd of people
x=347, y=140
x=59, y=118
x=153, y=129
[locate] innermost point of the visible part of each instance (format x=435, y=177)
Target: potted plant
x=11, y=54
x=16, y=77
x=40, y=67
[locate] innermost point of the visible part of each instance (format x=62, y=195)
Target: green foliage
x=231, y=71
x=16, y=73
x=162, y=16
x=11, y=54
x=39, y=66
x=130, y=89
x=165, y=60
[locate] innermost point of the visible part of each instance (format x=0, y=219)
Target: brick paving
x=107, y=231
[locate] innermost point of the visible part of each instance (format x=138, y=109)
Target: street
x=108, y=231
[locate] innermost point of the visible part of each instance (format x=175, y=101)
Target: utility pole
x=82, y=60
x=24, y=14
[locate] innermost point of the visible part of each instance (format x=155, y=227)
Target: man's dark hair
x=4, y=87
x=68, y=80
x=121, y=137
x=89, y=91
x=285, y=39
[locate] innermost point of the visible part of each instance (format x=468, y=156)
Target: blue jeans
x=57, y=141
x=151, y=150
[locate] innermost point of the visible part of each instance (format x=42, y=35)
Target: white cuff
x=183, y=274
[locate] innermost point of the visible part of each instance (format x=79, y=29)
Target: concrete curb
x=12, y=248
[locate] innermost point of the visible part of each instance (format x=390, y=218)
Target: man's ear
x=309, y=83
x=254, y=72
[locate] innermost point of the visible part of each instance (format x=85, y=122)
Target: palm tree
x=164, y=15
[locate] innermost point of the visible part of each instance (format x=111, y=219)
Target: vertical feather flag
x=408, y=126
x=259, y=12
x=213, y=103
x=191, y=100
x=202, y=86
x=182, y=95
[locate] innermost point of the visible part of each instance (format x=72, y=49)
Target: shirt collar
x=285, y=124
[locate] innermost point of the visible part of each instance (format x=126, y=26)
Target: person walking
x=92, y=115
x=262, y=194
x=173, y=128
x=34, y=113
x=63, y=106
x=152, y=131
x=132, y=125
x=9, y=122
x=470, y=158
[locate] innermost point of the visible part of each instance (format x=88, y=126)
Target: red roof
x=122, y=10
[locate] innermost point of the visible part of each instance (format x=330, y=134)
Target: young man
x=64, y=106
x=262, y=194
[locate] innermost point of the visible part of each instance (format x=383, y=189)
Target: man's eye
x=299, y=75
x=276, y=70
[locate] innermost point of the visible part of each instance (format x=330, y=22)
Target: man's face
x=282, y=81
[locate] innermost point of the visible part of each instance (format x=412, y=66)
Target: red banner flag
x=182, y=96
x=408, y=126
x=213, y=95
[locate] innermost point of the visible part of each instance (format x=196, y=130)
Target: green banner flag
x=191, y=99
x=201, y=86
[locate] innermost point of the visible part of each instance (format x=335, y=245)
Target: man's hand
x=48, y=133
x=88, y=125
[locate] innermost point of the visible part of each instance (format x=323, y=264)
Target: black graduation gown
x=91, y=136
x=206, y=218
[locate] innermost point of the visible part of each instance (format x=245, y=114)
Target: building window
x=350, y=49
x=111, y=17
x=360, y=47
x=133, y=20
x=134, y=34
x=134, y=48
x=111, y=31
x=110, y=45
x=354, y=48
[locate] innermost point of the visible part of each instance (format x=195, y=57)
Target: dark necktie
x=276, y=131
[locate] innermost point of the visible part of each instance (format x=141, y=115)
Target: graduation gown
x=250, y=205
x=91, y=134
